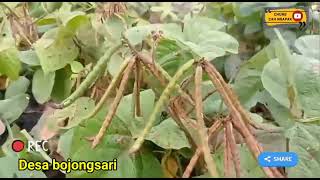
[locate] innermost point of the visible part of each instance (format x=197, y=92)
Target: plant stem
x=201, y=125
x=92, y=76
x=227, y=156
x=233, y=147
x=212, y=130
x=240, y=118
x=136, y=90
x=114, y=105
x=156, y=68
x=162, y=100
x=111, y=86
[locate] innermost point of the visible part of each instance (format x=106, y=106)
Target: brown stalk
x=254, y=145
x=192, y=163
x=137, y=87
x=156, y=72
x=238, y=114
x=214, y=128
x=182, y=120
x=201, y=125
x=155, y=68
x=234, y=149
x=227, y=155
x=114, y=105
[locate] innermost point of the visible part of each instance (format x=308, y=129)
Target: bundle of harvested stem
x=23, y=29
x=106, y=10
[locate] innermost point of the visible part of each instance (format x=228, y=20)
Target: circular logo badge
x=297, y=16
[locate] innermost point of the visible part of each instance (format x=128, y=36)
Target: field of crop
x=157, y=89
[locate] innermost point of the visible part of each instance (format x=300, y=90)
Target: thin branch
x=162, y=100
x=212, y=130
x=227, y=155
x=192, y=163
x=137, y=87
x=234, y=149
x=240, y=117
x=111, y=86
x=114, y=105
x=156, y=69
x=201, y=125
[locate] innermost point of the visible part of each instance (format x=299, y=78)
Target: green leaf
x=305, y=77
x=29, y=57
x=137, y=34
x=36, y=10
x=274, y=82
x=203, y=37
x=55, y=121
x=113, y=28
x=148, y=166
x=168, y=135
x=284, y=56
x=9, y=169
x=42, y=85
x=12, y=108
x=62, y=85
x=125, y=111
x=198, y=25
x=288, y=35
x=166, y=9
x=171, y=56
x=76, y=67
x=216, y=46
x=144, y=164
x=55, y=50
x=304, y=140
x=9, y=166
x=248, y=80
x=307, y=84
x=212, y=104
x=74, y=113
x=114, y=64
x=249, y=164
x=52, y=6
x=64, y=145
x=252, y=28
x=19, y=86
x=73, y=20
x=9, y=62
x=232, y=66
x=309, y=45
x=280, y=113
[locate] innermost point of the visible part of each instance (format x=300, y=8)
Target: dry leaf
x=169, y=166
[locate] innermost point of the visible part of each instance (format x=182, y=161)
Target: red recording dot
x=17, y=145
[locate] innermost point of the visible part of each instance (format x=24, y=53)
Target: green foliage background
x=277, y=68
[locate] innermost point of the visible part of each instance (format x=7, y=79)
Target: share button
x=278, y=159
